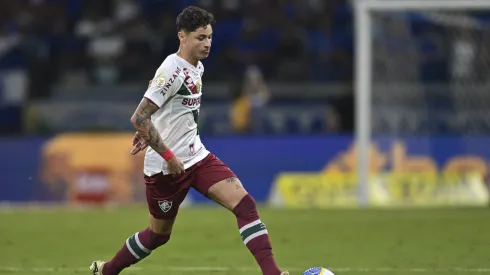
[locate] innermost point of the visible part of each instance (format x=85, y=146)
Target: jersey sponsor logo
x=191, y=102
x=171, y=80
x=165, y=205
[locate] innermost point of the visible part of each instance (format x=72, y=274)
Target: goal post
x=402, y=74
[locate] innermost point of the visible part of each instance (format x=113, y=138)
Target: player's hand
x=139, y=144
x=175, y=166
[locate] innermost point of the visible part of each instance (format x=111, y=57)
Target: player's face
x=199, y=42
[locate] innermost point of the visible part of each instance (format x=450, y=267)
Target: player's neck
x=187, y=57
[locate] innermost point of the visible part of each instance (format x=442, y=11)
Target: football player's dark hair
x=192, y=18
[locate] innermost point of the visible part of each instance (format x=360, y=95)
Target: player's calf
x=139, y=246
x=255, y=235
x=231, y=194
x=136, y=248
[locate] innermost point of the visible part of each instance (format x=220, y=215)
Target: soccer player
x=166, y=121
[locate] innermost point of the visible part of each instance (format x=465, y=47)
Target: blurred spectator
x=126, y=10
x=343, y=109
x=13, y=78
x=434, y=58
x=254, y=46
x=463, y=55
x=396, y=53
x=251, y=95
x=292, y=64
x=482, y=67
x=328, y=58
x=166, y=36
x=138, y=51
x=332, y=121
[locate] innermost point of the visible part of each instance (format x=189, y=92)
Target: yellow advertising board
x=334, y=190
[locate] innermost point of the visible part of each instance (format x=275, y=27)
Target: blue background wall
x=256, y=160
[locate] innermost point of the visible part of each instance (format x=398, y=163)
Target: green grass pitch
x=206, y=240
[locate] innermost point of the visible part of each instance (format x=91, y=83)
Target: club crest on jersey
x=165, y=205
x=198, y=86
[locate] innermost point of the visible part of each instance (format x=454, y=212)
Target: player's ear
x=182, y=37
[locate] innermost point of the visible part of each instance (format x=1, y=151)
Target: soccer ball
x=318, y=271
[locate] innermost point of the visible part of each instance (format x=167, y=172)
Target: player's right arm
x=141, y=121
x=156, y=95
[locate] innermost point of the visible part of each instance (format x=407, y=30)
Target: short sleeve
x=164, y=85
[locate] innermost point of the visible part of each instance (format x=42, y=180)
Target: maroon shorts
x=165, y=193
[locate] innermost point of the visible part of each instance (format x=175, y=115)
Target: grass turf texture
x=65, y=241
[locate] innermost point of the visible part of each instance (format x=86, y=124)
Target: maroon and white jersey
x=176, y=89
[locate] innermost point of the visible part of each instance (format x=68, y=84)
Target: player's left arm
x=141, y=121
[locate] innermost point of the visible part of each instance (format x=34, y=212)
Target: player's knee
x=161, y=227
x=161, y=230
x=157, y=239
x=246, y=209
x=233, y=199
x=228, y=192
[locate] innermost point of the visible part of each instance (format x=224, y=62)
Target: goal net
x=422, y=101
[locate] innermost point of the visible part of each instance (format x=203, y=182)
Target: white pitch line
x=247, y=269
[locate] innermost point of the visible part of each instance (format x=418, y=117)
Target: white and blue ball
x=318, y=271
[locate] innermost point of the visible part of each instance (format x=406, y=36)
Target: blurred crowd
x=117, y=41
x=46, y=44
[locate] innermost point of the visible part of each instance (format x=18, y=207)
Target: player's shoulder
x=170, y=68
x=169, y=65
x=169, y=75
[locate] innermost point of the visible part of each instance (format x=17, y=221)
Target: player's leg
x=215, y=180
x=138, y=246
x=164, y=196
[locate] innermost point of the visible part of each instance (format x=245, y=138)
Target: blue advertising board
x=257, y=160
